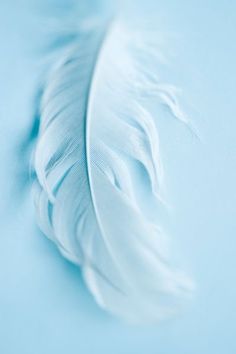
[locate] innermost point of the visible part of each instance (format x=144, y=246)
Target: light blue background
x=44, y=305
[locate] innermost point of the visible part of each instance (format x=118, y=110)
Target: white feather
x=97, y=151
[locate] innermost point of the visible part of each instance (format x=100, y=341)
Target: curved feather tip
x=99, y=172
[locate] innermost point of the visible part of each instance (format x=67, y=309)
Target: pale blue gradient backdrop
x=44, y=305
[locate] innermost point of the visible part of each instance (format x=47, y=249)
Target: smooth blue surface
x=44, y=306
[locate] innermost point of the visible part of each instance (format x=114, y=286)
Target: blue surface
x=44, y=306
